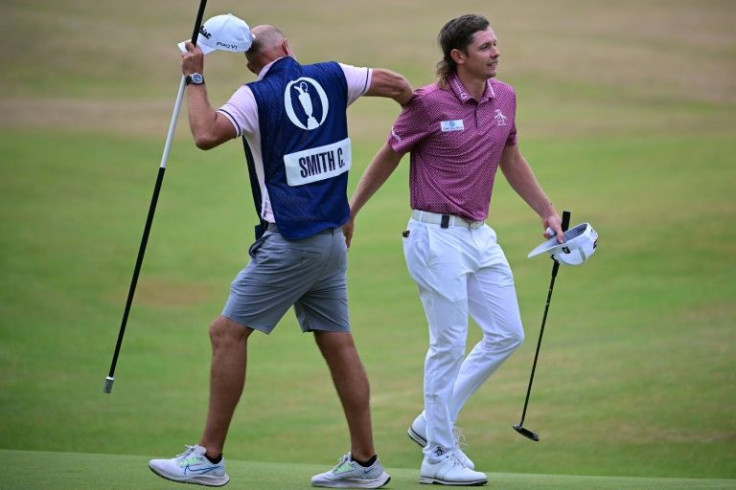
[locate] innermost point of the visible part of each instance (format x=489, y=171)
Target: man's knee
x=224, y=331
x=334, y=341
x=509, y=341
x=516, y=338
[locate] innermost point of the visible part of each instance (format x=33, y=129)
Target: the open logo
x=306, y=103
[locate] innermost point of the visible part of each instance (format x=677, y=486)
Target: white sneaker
x=418, y=433
x=349, y=474
x=444, y=468
x=191, y=466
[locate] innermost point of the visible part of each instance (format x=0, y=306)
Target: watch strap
x=194, y=79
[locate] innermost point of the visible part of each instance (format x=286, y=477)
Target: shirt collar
x=462, y=94
x=265, y=69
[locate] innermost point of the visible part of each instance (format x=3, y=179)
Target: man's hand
x=347, y=230
x=193, y=60
x=553, y=223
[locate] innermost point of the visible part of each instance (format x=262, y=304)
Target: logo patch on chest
x=453, y=125
x=499, y=117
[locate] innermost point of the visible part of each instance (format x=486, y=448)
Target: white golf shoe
x=444, y=468
x=349, y=474
x=418, y=433
x=191, y=466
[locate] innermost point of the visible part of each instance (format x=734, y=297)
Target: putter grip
x=564, y=225
x=565, y=220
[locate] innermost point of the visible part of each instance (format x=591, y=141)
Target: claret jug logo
x=306, y=103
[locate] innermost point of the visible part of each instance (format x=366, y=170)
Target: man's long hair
x=456, y=34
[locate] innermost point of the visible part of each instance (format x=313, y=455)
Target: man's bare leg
x=351, y=383
x=227, y=379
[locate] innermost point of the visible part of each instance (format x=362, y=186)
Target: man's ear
x=251, y=63
x=285, y=48
x=457, y=56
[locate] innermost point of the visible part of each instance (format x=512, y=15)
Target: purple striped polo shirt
x=456, y=144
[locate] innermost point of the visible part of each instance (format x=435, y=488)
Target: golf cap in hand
x=580, y=243
x=225, y=33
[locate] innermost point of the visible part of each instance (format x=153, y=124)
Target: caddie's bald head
x=266, y=37
x=270, y=44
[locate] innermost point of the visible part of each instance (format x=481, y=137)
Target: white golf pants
x=460, y=272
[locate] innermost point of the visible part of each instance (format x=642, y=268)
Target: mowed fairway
x=627, y=112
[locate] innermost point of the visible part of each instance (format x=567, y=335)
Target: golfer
x=458, y=132
x=293, y=120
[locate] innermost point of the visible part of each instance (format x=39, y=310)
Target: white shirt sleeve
x=359, y=81
x=242, y=111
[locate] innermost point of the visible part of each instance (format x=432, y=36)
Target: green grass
x=71, y=471
x=627, y=116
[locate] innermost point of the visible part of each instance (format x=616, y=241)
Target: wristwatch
x=194, y=79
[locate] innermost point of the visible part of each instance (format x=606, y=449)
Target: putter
x=555, y=267
x=152, y=209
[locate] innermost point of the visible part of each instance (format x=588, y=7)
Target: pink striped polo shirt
x=456, y=144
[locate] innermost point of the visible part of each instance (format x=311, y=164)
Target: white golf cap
x=225, y=33
x=580, y=243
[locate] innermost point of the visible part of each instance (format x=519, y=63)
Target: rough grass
x=591, y=66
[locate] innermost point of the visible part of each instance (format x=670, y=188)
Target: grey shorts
x=310, y=274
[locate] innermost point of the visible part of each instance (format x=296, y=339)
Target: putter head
x=526, y=433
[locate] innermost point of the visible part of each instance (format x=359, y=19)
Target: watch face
x=197, y=78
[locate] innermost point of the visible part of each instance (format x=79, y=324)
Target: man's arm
x=385, y=83
x=521, y=178
x=209, y=128
x=379, y=170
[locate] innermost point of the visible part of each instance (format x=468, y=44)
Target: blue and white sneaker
x=349, y=474
x=191, y=466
